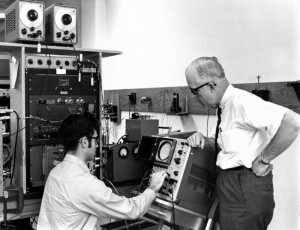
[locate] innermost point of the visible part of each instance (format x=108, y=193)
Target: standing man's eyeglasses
x=195, y=90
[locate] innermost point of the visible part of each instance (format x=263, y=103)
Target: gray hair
x=206, y=68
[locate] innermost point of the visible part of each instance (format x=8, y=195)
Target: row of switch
x=67, y=101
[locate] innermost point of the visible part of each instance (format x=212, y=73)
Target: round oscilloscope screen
x=164, y=150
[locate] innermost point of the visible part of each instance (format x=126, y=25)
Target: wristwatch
x=261, y=159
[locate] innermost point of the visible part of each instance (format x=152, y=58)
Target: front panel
x=25, y=21
x=52, y=94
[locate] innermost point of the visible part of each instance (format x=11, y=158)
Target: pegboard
x=281, y=93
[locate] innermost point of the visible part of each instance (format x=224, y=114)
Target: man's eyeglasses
x=97, y=140
x=195, y=90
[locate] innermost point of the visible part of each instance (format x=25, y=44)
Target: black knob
x=40, y=62
x=72, y=35
x=32, y=15
x=49, y=62
x=177, y=160
x=39, y=32
x=180, y=152
x=30, y=61
x=24, y=31
x=66, y=32
x=176, y=173
x=58, y=34
x=31, y=29
x=67, y=63
x=57, y=62
x=66, y=19
x=172, y=181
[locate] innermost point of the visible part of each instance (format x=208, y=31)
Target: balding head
x=205, y=68
x=206, y=79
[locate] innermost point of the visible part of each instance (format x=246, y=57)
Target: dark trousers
x=246, y=200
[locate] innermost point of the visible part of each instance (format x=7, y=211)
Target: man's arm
x=199, y=141
x=284, y=137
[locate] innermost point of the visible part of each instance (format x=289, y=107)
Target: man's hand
x=260, y=168
x=157, y=180
x=196, y=140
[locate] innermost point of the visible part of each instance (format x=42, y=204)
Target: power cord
x=173, y=210
x=15, y=148
x=118, y=195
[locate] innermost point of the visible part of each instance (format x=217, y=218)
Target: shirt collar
x=226, y=96
x=76, y=160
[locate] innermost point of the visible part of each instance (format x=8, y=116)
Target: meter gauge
x=164, y=150
x=123, y=152
x=135, y=150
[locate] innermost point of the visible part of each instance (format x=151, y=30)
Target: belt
x=239, y=168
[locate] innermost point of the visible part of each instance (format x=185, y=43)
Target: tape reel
x=31, y=14
x=65, y=19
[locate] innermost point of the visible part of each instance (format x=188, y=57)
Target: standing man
x=73, y=198
x=251, y=133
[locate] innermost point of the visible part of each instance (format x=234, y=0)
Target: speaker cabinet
x=122, y=164
x=24, y=21
x=61, y=24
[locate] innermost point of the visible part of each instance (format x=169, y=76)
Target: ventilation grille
x=48, y=23
x=10, y=21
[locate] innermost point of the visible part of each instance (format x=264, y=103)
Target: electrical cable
x=75, y=52
x=173, y=210
x=15, y=149
x=118, y=195
x=125, y=135
x=144, y=177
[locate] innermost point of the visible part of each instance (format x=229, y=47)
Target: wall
x=160, y=38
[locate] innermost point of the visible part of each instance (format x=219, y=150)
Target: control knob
x=24, y=31
x=177, y=160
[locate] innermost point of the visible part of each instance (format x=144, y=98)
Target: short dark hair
x=75, y=127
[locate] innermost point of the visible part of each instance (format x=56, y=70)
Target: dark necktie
x=219, y=111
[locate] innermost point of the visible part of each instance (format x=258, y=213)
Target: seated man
x=73, y=198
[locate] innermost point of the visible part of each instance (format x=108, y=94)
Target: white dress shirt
x=248, y=123
x=73, y=199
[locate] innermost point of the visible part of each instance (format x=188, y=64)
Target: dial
x=123, y=152
x=164, y=151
